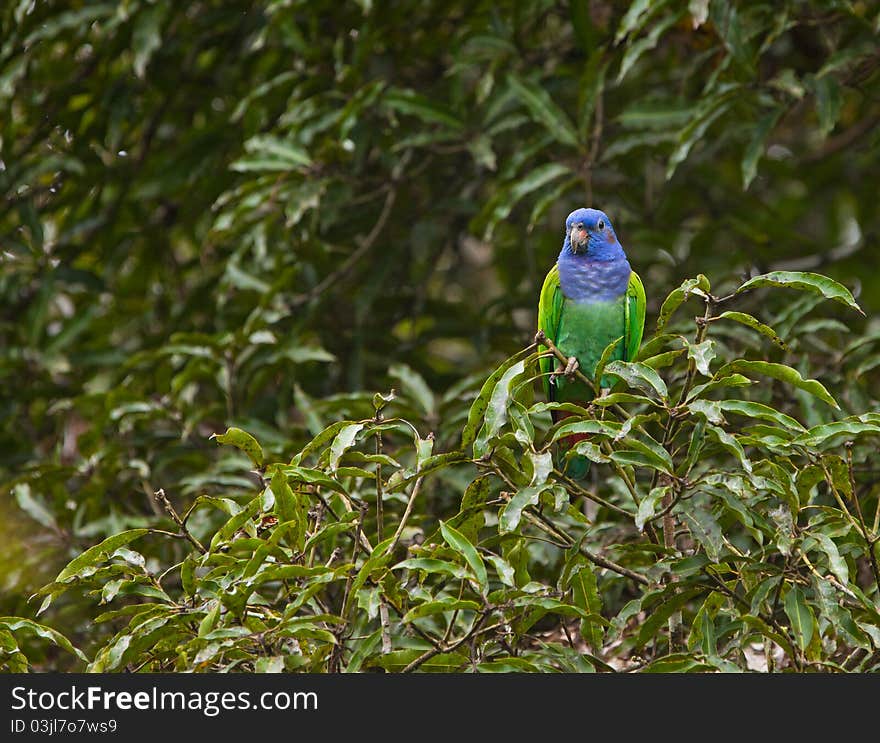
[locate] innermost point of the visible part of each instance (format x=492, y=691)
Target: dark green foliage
x=240, y=222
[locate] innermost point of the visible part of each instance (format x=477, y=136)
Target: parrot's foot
x=567, y=371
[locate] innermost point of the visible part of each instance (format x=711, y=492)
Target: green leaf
x=658, y=616
x=431, y=565
x=146, y=37
x=592, y=81
x=496, y=411
x=636, y=49
x=292, y=510
x=601, y=428
x=644, y=453
x=537, y=178
x=705, y=529
x=411, y=103
x=460, y=544
x=188, y=574
x=603, y=361
x=760, y=411
x=272, y=154
x=69, y=21
x=800, y=615
x=778, y=371
x=544, y=109
x=732, y=380
x=805, y=281
x=702, y=354
x=209, y=621
x=828, y=434
x=477, y=412
x=375, y=562
x=585, y=596
x=522, y=499
x=835, y=562
x=632, y=20
x=506, y=572
x=829, y=102
x=708, y=112
x=704, y=633
x=414, y=386
x=440, y=606
x=695, y=445
x=98, y=553
x=329, y=531
x=757, y=145
x=709, y=409
x=729, y=441
x=677, y=663
x=542, y=466
x=662, y=360
x=648, y=505
x=699, y=10
x=637, y=374
x=18, y=624
x=343, y=441
x=767, y=631
x=319, y=441
x=698, y=286
x=397, y=660
x=244, y=441
x=34, y=505
x=754, y=324
x=313, y=477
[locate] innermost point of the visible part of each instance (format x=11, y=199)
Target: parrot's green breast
x=585, y=330
x=583, y=325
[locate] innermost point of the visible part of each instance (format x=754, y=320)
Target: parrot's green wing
x=549, y=315
x=635, y=315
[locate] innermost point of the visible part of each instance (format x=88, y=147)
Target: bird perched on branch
x=590, y=298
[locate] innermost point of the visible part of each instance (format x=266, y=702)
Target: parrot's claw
x=567, y=371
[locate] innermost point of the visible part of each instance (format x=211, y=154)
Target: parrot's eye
x=601, y=224
x=580, y=225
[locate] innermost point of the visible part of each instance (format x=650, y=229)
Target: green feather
x=635, y=315
x=549, y=313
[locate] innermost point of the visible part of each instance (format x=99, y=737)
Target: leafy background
x=258, y=215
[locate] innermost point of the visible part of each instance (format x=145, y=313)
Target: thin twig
x=386, y=632
x=870, y=539
x=858, y=523
x=365, y=244
x=406, y=513
x=603, y=562
x=380, y=505
x=162, y=499
x=473, y=632
x=579, y=490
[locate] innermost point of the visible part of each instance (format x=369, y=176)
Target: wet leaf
x=244, y=441
x=462, y=545
x=800, y=615
x=805, y=281
x=778, y=371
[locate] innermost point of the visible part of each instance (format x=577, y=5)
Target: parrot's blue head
x=589, y=232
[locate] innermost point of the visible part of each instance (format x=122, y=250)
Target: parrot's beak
x=579, y=239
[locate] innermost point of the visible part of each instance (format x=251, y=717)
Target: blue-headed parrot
x=590, y=298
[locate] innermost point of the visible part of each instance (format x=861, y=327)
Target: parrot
x=590, y=297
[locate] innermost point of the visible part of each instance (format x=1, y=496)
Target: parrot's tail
x=576, y=467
